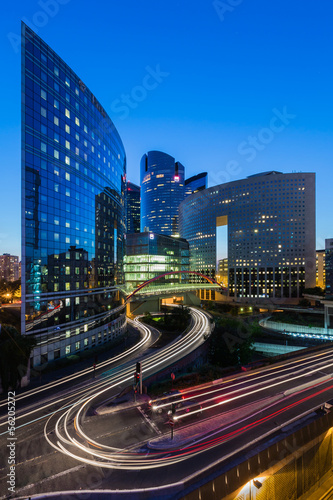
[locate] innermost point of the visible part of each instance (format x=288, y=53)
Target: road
x=127, y=444
x=57, y=396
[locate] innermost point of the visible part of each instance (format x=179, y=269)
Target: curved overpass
x=195, y=285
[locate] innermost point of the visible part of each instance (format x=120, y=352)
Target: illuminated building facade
x=320, y=269
x=9, y=267
x=270, y=219
x=162, y=190
x=222, y=272
x=149, y=255
x=196, y=183
x=132, y=208
x=329, y=266
x=73, y=212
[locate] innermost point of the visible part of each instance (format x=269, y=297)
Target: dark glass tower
x=73, y=213
x=329, y=266
x=162, y=190
x=133, y=208
x=195, y=184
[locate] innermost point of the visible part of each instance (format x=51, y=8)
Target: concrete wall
x=291, y=468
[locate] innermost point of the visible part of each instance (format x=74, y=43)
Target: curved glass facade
x=162, y=190
x=73, y=219
x=271, y=233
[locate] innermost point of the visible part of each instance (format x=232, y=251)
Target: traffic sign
x=173, y=376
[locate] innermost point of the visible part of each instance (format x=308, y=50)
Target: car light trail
x=70, y=439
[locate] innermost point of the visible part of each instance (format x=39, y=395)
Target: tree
x=231, y=343
x=15, y=351
x=9, y=289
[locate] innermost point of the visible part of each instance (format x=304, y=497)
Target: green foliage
x=315, y=291
x=231, y=343
x=304, y=303
x=9, y=290
x=15, y=351
x=175, y=319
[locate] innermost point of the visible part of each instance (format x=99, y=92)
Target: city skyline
x=211, y=100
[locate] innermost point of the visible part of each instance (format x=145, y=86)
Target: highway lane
x=101, y=440
x=29, y=423
x=32, y=401
x=319, y=372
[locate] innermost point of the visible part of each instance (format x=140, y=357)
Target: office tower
x=132, y=208
x=329, y=266
x=73, y=212
x=222, y=272
x=162, y=190
x=196, y=183
x=9, y=267
x=149, y=255
x=270, y=219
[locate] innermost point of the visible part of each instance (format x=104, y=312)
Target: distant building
x=222, y=272
x=149, y=254
x=9, y=267
x=320, y=269
x=195, y=184
x=329, y=266
x=162, y=190
x=133, y=208
x=271, y=233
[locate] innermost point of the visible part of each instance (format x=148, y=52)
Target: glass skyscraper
x=196, y=183
x=162, y=190
x=149, y=255
x=270, y=219
x=133, y=208
x=73, y=212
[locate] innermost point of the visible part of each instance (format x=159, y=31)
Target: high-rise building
x=73, y=211
x=195, y=183
x=329, y=266
x=149, y=255
x=162, y=190
x=222, y=272
x=9, y=267
x=320, y=269
x=270, y=219
x=132, y=208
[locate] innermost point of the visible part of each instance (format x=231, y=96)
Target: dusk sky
x=234, y=87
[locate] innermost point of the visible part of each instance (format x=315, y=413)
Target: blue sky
x=197, y=79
